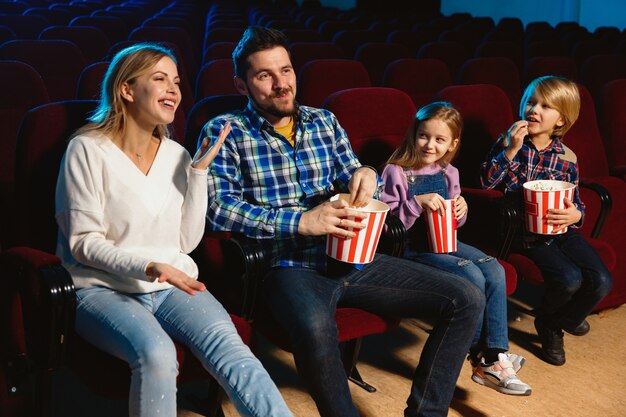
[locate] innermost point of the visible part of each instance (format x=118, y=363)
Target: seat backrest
x=320, y=78
x=597, y=70
x=303, y=52
x=90, y=81
x=350, y=40
x=24, y=27
x=375, y=119
x=613, y=121
x=6, y=34
x=58, y=62
x=92, y=42
x=539, y=66
x=586, y=48
x=302, y=35
x=26, y=90
x=585, y=140
x=215, y=78
x=498, y=71
x=205, y=110
x=42, y=139
x=218, y=50
x=114, y=28
x=486, y=113
x=377, y=55
x=547, y=47
x=411, y=39
x=421, y=79
x=452, y=53
x=501, y=49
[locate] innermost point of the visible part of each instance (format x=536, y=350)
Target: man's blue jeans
x=488, y=275
x=575, y=278
x=304, y=302
x=140, y=329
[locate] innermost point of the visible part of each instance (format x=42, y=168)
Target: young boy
x=575, y=277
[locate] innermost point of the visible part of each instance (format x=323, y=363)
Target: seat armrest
x=606, y=204
x=489, y=216
x=245, y=258
x=394, y=237
x=48, y=302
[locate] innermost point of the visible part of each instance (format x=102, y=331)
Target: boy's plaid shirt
x=555, y=162
x=259, y=184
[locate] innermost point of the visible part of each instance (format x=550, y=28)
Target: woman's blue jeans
x=488, y=275
x=575, y=278
x=304, y=303
x=140, y=329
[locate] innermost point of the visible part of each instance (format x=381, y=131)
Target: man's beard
x=272, y=109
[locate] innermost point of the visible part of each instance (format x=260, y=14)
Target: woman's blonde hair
x=560, y=94
x=128, y=64
x=407, y=156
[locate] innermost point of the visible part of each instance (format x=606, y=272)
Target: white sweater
x=113, y=220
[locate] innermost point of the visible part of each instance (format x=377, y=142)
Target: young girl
x=575, y=277
x=131, y=204
x=418, y=177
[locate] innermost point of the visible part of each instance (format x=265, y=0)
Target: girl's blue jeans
x=488, y=275
x=140, y=329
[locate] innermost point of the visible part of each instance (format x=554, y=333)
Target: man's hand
x=564, y=217
x=362, y=186
x=330, y=218
x=167, y=273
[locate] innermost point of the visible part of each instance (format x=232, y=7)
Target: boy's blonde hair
x=406, y=155
x=559, y=93
x=110, y=116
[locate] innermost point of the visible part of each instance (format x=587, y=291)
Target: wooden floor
x=591, y=383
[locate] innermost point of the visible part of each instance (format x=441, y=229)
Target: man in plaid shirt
x=272, y=180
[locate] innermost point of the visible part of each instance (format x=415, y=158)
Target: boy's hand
x=460, y=207
x=515, y=138
x=432, y=201
x=564, y=217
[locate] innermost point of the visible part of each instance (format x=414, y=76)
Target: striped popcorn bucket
x=541, y=196
x=441, y=229
x=361, y=248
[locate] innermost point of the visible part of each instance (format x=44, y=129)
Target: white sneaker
x=501, y=375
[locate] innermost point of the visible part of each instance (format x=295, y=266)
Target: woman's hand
x=362, y=186
x=460, y=207
x=432, y=201
x=206, y=153
x=167, y=273
x=564, y=217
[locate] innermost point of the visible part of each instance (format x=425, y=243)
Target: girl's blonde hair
x=406, y=155
x=128, y=64
x=560, y=94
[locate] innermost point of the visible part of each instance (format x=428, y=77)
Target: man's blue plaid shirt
x=259, y=184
